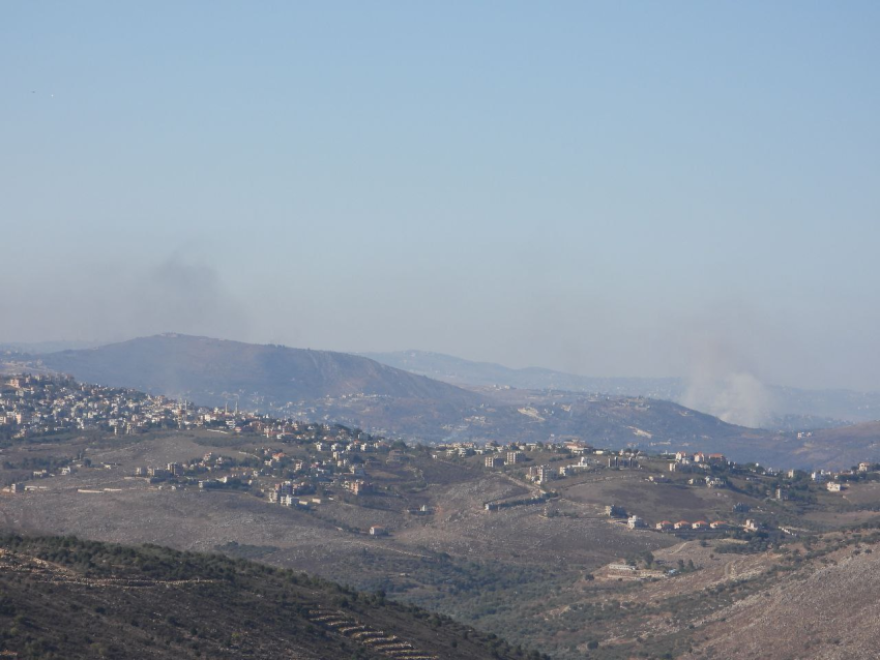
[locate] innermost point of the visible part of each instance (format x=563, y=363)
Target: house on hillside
x=541, y=474
x=622, y=462
x=682, y=524
x=634, y=522
x=664, y=526
x=700, y=526
x=494, y=462
x=359, y=487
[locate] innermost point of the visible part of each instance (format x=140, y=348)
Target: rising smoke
x=720, y=384
x=114, y=300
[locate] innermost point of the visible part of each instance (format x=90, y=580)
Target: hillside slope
x=458, y=371
x=789, y=408
x=361, y=393
x=844, y=447
x=66, y=598
x=827, y=609
x=357, y=392
x=214, y=370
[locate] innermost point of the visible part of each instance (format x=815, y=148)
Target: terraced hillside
x=61, y=597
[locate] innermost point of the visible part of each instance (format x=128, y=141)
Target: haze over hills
x=214, y=371
x=360, y=392
x=786, y=408
x=34, y=348
x=648, y=233
x=466, y=372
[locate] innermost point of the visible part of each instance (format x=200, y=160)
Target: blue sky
x=607, y=188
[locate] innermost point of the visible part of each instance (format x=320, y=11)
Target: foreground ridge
x=62, y=597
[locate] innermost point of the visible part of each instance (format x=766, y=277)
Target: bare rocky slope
x=827, y=610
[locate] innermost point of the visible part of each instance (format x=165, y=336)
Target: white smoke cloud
x=721, y=385
x=736, y=397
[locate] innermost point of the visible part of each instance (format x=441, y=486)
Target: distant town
x=299, y=464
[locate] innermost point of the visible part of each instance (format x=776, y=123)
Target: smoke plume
x=719, y=384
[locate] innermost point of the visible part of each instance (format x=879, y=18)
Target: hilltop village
x=306, y=465
x=32, y=405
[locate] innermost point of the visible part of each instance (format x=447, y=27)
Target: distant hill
x=67, y=598
x=842, y=447
x=36, y=348
x=214, y=371
x=466, y=372
x=789, y=408
x=360, y=392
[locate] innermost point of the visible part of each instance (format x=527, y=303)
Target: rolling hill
x=469, y=373
x=214, y=371
x=360, y=392
x=788, y=408
x=846, y=446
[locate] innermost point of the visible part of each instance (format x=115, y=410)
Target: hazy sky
x=609, y=188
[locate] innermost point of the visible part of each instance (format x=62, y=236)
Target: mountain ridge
x=482, y=373
x=792, y=408
x=356, y=391
x=209, y=367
